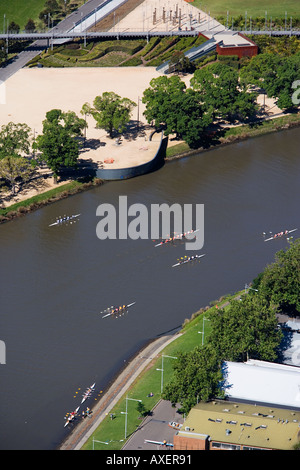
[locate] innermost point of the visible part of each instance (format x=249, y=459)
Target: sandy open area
x=30, y=93
x=167, y=15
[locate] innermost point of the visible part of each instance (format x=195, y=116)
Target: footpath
x=87, y=426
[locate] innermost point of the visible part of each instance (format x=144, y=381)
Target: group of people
x=177, y=237
x=118, y=309
x=189, y=258
x=66, y=218
x=280, y=234
x=73, y=415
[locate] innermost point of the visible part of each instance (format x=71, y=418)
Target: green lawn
x=20, y=11
x=255, y=8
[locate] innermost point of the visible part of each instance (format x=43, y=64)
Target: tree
x=197, y=375
x=57, y=143
x=142, y=409
x=64, y=5
x=280, y=281
x=189, y=119
x=111, y=112
x=275, y=73
x=3, y=54
x=160, y=97
x=14, y=139
x=180, y=63
x=13, y=169
x=170, y=103
x=51, y=5
x=13, y=27
x=218, y=85
x=30, y=26
x=246, y=329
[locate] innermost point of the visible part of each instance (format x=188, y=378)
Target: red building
x=234, y=43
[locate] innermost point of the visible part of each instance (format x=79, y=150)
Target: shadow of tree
x=135, y=129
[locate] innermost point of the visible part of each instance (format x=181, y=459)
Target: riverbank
x=175, y=150
x=123, y=381
x=135, y=376
x=45, y=198
x=240, y=133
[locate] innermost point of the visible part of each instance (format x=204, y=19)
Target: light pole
x=202, y=332
x=126, y=412
x=248, y=287
x=162, y=370
x=100, y=442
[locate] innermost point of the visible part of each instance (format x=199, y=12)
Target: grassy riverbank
x=238, y=133
x=231, y=135
x=45, y=198
x=110, y=432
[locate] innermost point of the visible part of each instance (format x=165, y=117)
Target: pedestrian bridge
x=55, y=34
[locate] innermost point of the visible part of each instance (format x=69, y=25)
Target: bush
x=133, y=62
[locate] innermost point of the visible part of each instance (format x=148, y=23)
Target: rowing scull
x=280, y=234
x=72, y=416
x=190, y=258
x=176, y=237
x=61, y=220
x=88, y=393
x=115, y=310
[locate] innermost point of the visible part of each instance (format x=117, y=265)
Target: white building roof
x=263, y=382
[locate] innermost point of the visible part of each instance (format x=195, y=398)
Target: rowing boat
x=280, y=234
x=115, y=310
x=188, y=260
x=61, y=220
x=71, y=417
x=88, y=393
x=176, y=237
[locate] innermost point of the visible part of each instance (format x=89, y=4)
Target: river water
x=55, y=281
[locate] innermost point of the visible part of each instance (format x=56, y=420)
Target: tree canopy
x=245, y=329
x=279, y=283
x=275, y=73
x=170, y=103
x=14, y=140
x=197, y=376
x=180, y=63
x=15, y=169
x=57, y=144
x=218, y=85
x=111, y=112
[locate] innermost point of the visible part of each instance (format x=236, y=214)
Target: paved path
x=86, y=427
x=155, y=429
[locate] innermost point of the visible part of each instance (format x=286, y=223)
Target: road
x=36, y=47
x=155, y=429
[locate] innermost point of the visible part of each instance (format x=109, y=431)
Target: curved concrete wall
x=130, y=172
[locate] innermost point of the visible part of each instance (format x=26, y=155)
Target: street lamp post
x=162, y=370
x=248, y=287
x=100, y=442
x=126, y=412
x=202, y=332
